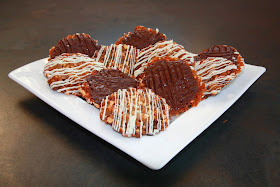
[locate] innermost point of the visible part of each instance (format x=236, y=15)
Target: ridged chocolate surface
x=224, y=51
x=141, y=37
x=172, y=80
x=107, y=81
x=76, y=43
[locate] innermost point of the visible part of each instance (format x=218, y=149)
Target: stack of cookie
x=139, y=82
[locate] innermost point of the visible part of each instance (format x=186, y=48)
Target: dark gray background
x=40, y=146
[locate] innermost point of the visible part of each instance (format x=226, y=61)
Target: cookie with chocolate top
x=105, y=82
x=141, y=37
x=135, y=112
x=174, y=80
x=76, y=43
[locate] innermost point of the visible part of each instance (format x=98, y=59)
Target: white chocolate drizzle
x=128, y=107
x=71, y=77
x=121, y=57
x=161, y=49
x=215, y=66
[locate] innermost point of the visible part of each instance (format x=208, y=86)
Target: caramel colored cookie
x=76, y=43
x=67, y=72
x=174, y=80
x=141, y=37
x=217, y=66
x=135, y=112
x=120, y=57
x=162, y=49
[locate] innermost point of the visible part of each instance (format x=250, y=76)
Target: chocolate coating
x=141, y=37
x=174, y=81
x=76, y=43
x=107, y=81
x=224, y=51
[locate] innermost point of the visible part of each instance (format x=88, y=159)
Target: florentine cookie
x=217, y=66
x=135, y=112
x=162, y=49
x=141, y=37
x=76, y=43
x=174, y=80
x=67, y=72
x=102, y=83
x=120, y=57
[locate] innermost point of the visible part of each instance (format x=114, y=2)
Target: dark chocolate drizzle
x=106, y=82
x=224, y=51
x=172, y=80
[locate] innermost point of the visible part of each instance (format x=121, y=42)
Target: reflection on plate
x=152, y=151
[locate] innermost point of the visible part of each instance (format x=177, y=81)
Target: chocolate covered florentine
x=67, y=72
x=105, y=82
x=141, y=37
x=76, y=43
x=217, y=66
x=174, y=80
x=162, y=49
x=121, y=57
x=223, y=51
x=135, y=112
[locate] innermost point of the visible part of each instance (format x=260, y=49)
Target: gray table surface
x=41, y=147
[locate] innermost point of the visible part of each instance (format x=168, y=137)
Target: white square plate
x=152, y=151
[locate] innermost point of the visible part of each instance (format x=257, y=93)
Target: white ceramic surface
x=152, y=151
